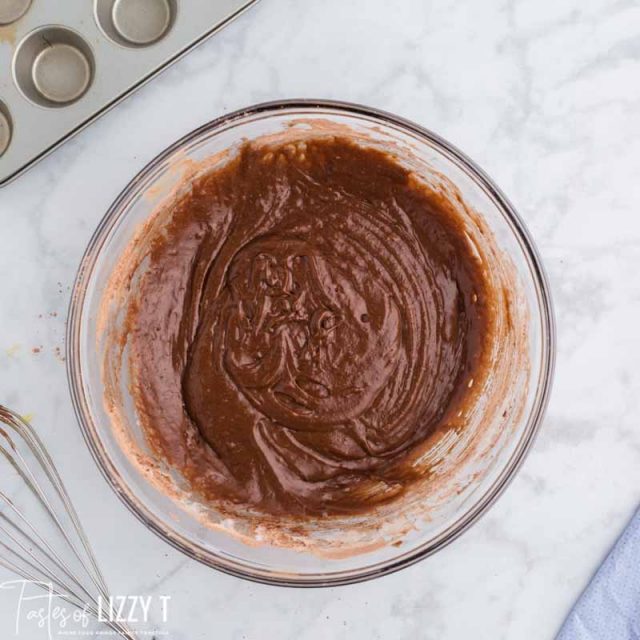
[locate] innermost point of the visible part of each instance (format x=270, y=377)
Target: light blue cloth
x=609, y=608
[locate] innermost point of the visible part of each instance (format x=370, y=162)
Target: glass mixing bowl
x=480, y=481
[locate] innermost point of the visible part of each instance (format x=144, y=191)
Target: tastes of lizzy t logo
x=40, y=606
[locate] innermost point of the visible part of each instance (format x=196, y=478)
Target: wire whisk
x=41, y=538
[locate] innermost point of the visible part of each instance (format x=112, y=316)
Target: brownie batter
x=307, y=317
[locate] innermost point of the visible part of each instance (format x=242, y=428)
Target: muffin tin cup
x=5, y=128
x=53, y=66
x=67, y=63
x=13, y=10
x=135, y=23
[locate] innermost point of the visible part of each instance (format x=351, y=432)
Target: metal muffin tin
x=63, y=64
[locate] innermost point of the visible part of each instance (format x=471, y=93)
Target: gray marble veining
x=546, y=98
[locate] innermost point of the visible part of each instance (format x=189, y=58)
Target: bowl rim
x=342, y=577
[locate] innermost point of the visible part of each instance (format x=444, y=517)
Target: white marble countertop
x=545, y=97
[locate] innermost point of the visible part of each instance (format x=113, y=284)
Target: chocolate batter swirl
x=306, y=317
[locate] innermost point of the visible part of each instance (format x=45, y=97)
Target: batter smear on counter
x=306, y=317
